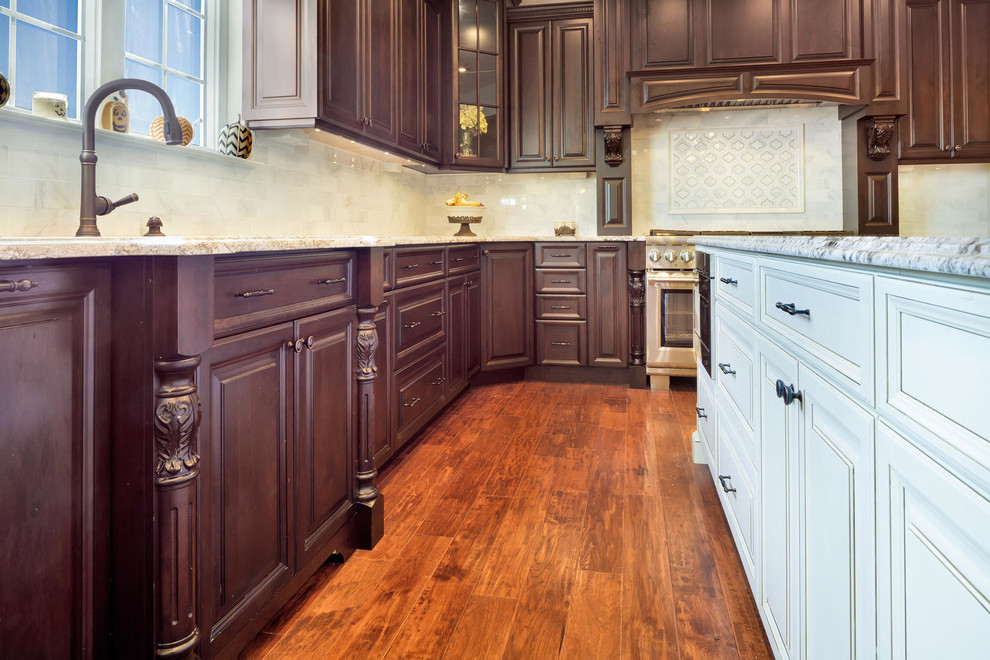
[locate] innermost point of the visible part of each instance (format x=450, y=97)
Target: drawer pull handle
x=792, y=310
x=564, y=255
x=411, y=266
x=560, y=306
x=435, y=314
x=414, y=324
x=457, y=259
x=336, y=280
x=788, y=393
x=412, y=402
x=560, y=281
x=560, y=343
x=11, y=286
x=725, y=367
x=439, y=381
x=436, y=263
x=701, y=413
x=255, y=294
x=728, y=280
x=722, y=479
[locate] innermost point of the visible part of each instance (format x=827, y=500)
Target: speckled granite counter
x=15, y=249
x=954, y=256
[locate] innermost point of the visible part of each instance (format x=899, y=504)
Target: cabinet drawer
x=419, y=393
x=561, y=281
x=463, y=259
x=570, y=308
x=252, y=292
x=735, y=281
x=741, y=504
x=705, y=411
x=418, y=321
x=562, y=343
x=735, y=371
x=827, y=312
x=417, y=265
x=556, y=255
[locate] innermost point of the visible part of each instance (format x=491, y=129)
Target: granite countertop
x=14, y=249
x=954, y=256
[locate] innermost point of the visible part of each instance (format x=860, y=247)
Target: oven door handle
x=652, y=278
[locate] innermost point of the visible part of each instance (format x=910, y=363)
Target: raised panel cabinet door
x=971, y=78
x=53, y=435
x=456, y=334
x=933, y=556
x=529, y=102
x=507, y=310
x=410, y=88
x=473, y=334
x=837, y=520
x=325, y=430
x=743, y=32
x=280, y=62
x=379, y=80
x=572, y=115
x=781, y=501
x=383, y=434
x=246, y=553
x=608, y=309
x=825, y=30
x=435, y=41
x=342, y=63
x=664, y=34
x=925, y=132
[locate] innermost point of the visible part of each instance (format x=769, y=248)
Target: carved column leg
x=371, y=504
x=177, y=418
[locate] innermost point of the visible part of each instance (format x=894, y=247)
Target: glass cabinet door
x=478, y=88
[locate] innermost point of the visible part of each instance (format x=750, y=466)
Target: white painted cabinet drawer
x=735, y=372
x=827, y=312
x=735, y=281
x=706, y=415
x=934, y=363
x=738, y=488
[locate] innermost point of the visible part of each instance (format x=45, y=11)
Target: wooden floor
x=538, y=520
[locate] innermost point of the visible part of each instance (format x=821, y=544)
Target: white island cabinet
x=847, y=423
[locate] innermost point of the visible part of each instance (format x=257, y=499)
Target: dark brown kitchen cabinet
x=464, y=338
x=608, y=311
x=473, y=327
x=54, y=357
x=357, y=50
x=507, y=309
x=551, y=86
x=419, y=92
x=948, y=75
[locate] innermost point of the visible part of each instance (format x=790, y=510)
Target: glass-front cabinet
x=478, y=103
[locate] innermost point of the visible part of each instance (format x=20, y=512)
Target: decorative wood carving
x=176, y=429
x=879, y=134
x=369, y=500
x=613, y=145
x=637, y=317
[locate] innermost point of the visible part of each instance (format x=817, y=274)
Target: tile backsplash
x=944, y=200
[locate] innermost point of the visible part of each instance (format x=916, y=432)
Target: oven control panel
x=678, y=256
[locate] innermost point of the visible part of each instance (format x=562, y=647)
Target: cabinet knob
x=297, y=345
x=556, y=159
x=958, y=147
x=310, y=341
x=488, y=251
x=458, y=155
x=788, y=393
x=11, y=286
x=948, y=147
x=722, y=479
x=547, y=159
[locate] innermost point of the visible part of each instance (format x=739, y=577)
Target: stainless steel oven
x=670, y=309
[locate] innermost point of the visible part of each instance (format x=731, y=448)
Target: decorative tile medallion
x=737, y=170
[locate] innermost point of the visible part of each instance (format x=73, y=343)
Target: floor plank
x=483, y=629
x=594, y=620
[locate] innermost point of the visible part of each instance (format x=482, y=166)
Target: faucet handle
x=104, y=205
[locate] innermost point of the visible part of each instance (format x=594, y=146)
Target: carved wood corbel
x=879, y=134
x=613, y=145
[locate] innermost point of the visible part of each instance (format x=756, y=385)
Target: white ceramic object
x=50, y=104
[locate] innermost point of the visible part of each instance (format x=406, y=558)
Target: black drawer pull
x=701, y=413
x=255, y=294
x=412, y=402
x=788, y=393
x=560, y=281
x=722, y=479
x=336, y=280
x=411, y=266
x=792, y=310
x=560, y=343
x=728, y=280
x=439, y=381
x=560, y=306
x=725, y=367
x=436, y=263
x=560, y=255
x=11, y=286
x=414, y=324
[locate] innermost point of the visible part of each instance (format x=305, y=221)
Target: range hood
x=745, y=104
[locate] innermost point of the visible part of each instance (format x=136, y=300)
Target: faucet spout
x=90, y=205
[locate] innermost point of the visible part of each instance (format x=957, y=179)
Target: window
x=165, y=43
x=41, y=49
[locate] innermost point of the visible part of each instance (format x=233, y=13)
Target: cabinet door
x=572, y=116
x=342, y=69
x=825, y=30
x=507, y=323
x=409, y=74
x=743, y=32
x=933, y=561
x=53, y=494
x=664, y=34
x=434, y=43
x=325, y=432
x=379, y=79
x=456, y=335
x=971, y=78
x=925, y=131
x=838, y=524
x=780, y=473
x=383, y=433
x=530, y=101
x=473, y=335
x=608, y=309
x=245, y=511
x=477, y=131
